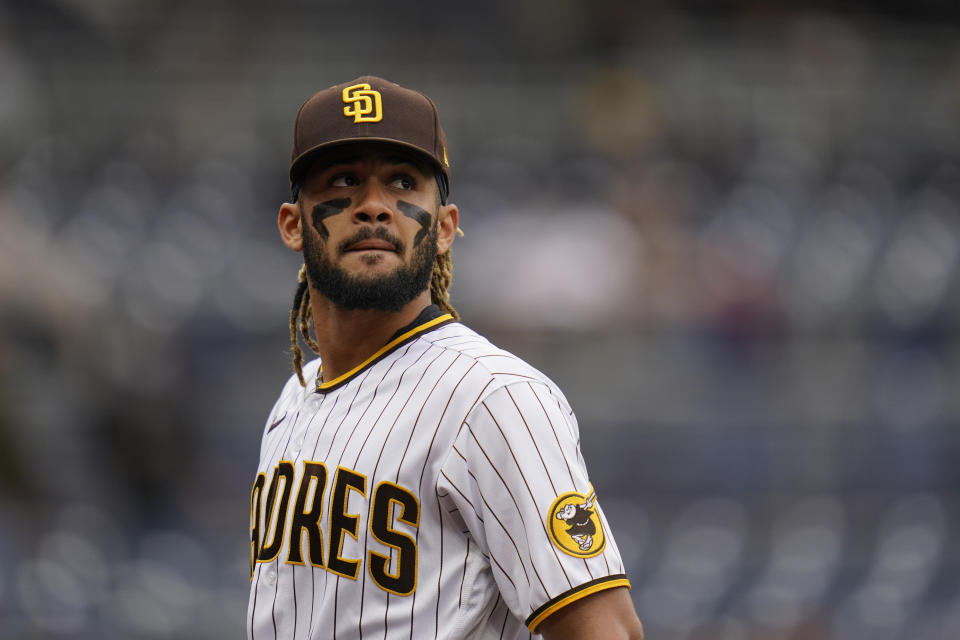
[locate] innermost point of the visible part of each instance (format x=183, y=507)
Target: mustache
x=367, y=233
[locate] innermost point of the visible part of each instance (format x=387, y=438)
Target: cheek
x=423, y=219
x=333, y=230
x=324, y=213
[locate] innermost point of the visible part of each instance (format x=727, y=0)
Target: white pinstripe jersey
x=435, y=491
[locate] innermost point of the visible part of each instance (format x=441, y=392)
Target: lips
x=372, y=244
x=368, y=239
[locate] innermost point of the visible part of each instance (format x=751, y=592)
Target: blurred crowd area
x=730, y=233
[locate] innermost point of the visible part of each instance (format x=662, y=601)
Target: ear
x=288, y=221
x=449, y=219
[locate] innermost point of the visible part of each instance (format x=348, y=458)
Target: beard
x=386, y=292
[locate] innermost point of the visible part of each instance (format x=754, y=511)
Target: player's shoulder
x=501, y=367
x=292, y=394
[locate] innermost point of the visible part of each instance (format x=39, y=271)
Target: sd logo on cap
x=361, y=102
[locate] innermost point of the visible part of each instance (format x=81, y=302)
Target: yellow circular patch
x=574, y=525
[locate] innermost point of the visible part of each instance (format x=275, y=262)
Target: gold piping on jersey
x=387, y=348
x=275, y=512
x=345, y=481
x=304, y=521
x=571, y=596
x=404, y=582
x=256, y=502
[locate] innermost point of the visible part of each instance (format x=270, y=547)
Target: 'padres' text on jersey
x=435, y=491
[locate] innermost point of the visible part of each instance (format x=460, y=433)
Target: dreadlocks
x=301, y=316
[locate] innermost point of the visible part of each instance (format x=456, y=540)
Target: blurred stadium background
x=729, y=231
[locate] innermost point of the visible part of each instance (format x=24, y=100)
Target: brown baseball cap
x=368, y=109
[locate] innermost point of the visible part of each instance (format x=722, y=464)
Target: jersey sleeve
x=519, y=482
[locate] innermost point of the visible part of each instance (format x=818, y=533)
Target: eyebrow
x=406, y=159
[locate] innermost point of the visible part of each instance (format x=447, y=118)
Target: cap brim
x=301, y=164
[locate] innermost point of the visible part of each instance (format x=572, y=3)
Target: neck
x=347, y=337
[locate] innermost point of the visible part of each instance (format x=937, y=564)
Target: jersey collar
x=430, y=318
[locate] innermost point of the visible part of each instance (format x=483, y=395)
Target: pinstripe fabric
x=476, y=442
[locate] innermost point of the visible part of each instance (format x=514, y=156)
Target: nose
x=374, y=206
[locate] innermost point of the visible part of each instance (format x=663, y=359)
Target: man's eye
x=403, y=182
x=344, y=180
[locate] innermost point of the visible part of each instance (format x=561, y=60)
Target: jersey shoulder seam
x=531, y=374
x=500, y=379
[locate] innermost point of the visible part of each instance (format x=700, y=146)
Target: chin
x=375, y=273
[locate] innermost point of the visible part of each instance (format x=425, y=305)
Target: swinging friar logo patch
x=574, y=525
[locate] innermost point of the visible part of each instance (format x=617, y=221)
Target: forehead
x=368, y=152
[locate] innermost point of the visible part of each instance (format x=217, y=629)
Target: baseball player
x=415, y=481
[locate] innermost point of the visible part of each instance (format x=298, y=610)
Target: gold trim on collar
x=323, y=386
